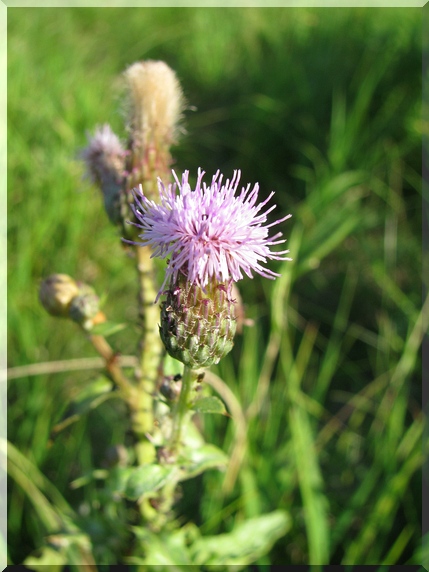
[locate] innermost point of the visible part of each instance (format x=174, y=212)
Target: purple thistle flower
x=210, y=232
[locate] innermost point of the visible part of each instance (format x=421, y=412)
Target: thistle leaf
x=200, y=460
x=147, y=479
x=209, y=405
x=247, y=542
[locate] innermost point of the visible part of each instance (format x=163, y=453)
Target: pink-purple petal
x=209, y=232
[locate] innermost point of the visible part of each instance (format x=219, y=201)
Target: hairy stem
x=112, y=366
x=150, y=357
x=181, y=409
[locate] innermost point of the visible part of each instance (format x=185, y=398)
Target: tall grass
x=321, y=105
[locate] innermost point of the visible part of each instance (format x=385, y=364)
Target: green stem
x=112, y=366
x=180, y=412
x=181, y=409
x=150, y=358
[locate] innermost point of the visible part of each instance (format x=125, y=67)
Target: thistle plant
x=211, y=235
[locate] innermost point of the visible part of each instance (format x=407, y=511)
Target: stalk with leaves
x=211, y=235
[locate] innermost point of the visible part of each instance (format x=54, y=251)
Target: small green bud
x=85, y=307
x=56, y=294
x=197, y=326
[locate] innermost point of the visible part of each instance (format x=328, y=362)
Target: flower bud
x=56, y=294
x=198, y=326
x=84, y=308
x=105, y=162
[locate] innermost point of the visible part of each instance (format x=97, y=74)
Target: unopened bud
x=105, y=162
x=84, y=308
x=197, y=326
x=56, y=294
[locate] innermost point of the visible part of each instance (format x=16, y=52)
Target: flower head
x=210, y=232
x=155, y=102
x=104, y=156
x=197, y=327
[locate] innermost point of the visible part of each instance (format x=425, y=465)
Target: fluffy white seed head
x=155, y=102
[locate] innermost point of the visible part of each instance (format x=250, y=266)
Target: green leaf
x=192, y=437
x=163, y=550
x=118, y=479
x=199, y=460
x=91, y=396
x=310, y=481
x=147, y=479
x=62, y=549
x=82, y=481
x=164, y=555
x=107, y=329
x=209, y=405
x=46, y=556
x=247, y=542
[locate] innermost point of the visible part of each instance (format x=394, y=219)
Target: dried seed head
x=155, y=102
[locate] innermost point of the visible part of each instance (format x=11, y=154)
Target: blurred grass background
x=322, y=106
